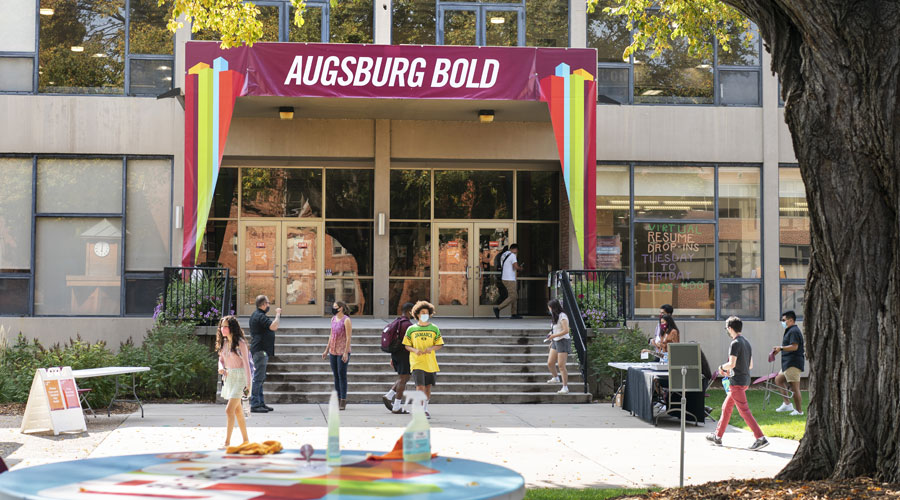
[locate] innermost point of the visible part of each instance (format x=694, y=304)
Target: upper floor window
x=507, y=23
x=674, y=77
x=794, y=248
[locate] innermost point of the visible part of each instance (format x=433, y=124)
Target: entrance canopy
x=563, y=78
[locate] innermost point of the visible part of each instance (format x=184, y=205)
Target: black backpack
x=392, y=336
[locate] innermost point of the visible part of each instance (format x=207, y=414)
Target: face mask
x=783, y=324
x=334, y=310
x=424, y=317
x=266, y=309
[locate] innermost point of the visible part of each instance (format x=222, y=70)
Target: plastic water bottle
x=666, y=358
x=726, y=384
x=417, y=436
x=333, y=452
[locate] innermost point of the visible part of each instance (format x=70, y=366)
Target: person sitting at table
x=669, y=334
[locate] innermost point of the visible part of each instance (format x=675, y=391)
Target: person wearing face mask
x=338, y=349
x=262, y=347
x=422, y=340
x=657, y=340
x=792, y=353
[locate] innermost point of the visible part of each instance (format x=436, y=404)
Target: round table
x=217, y=475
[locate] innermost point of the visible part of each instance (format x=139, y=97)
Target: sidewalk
x=573, y=446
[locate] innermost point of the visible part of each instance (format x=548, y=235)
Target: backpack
x=499, y=261
x=392, y=336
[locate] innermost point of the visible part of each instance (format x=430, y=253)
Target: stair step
x=443, y=385
x=446, y=377
x=437, y=397
x=482, y=368
x=375, y=340
x=538, y=348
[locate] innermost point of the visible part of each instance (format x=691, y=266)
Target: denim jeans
x=339, y=369
x=260, y=361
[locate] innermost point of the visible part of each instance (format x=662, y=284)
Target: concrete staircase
x=477, y=366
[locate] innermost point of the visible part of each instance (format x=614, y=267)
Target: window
x=727, y=78
x=15, y=235
x=413, y=22
x=696, y=236
x=794, y=248
x=473, y=194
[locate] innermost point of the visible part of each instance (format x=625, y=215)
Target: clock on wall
x=101, y=249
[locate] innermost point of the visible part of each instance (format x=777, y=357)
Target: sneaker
x=564, y=390
x=387, y=402
x=759, y=444
x=268, y=407
x=258, y=409
x=515, y=316
x=712, y=438
x=554, y=380
x=785, y=407
x=497, y=313
x=796, y=413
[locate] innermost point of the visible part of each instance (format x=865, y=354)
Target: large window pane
x=277, y=192
x=352, y=22
x=793, y=298
x=220, y=245
x=793, y=224
x=538, y=249
x=460, y=27
x=533, y=297
x=311, y=31
x=473, y=194
x=613, y=217
x=141, y=295
x=413, y=22
x=407, y=290
x=77, y=266
x=147, y=32
x=739, y=228
x=17, y=26
x=82, y=47
x=410, y=194
x=150, y=76
x=410, y=249
x=612, y=85
x=269, y=17
x=739, y=88
x=675, y=264
x=148, y=196
x=224, y=205
x=356, y=293
x=348, y=248
x=349, y=193
x=674, y=192
x=14, y=297
x=502, y=28
x=79, y=185
x=538, y=195
x=16, y=74
x=673, y=77
x=740, y=299
x=608, y=34
x=15, y=214
x=547, y=23
x=743, y=48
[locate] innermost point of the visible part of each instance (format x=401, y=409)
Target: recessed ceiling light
x=77, y=48
x=46, y=12
x=163, y=68
x=99, y=54
x=498, y=20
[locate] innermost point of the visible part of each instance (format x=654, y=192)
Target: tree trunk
x=839, y=64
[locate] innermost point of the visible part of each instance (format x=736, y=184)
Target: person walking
x=510, y=265
x=262, y=347
x=740, y=360
x=560, y=346
x=792, y=363
x=338, y=349
x=234, y=367
x=393, y=399
x=422, y=340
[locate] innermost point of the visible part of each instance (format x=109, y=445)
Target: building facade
x=376, y=202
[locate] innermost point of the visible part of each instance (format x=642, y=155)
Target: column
x=771, y=282
x=382, y=22
x=577, y=23
x=381, y=265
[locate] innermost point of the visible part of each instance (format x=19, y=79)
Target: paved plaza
x=573, y=446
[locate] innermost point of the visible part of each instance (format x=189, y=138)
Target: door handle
x=467, y=273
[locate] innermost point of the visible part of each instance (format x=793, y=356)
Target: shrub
x=180, y=366
x=599, y=303
x=624, y=345
x=197, y=301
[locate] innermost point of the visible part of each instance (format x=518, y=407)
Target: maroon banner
x=392, y=71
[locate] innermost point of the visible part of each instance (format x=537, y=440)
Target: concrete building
x=379, y=201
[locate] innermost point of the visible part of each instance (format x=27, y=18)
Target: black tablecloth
x=639, y=396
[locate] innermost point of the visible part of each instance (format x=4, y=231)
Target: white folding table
x=115, y=371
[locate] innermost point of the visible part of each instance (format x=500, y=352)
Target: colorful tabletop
x=286, y=475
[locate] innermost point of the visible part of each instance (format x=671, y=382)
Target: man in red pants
x=740, y=360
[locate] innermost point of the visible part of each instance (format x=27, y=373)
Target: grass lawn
x=772, y=424
x=586, y=494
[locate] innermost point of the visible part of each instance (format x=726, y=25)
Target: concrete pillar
x=382, y=206
x=577, y=23
x=383, y=22
x=770, y=127
x=182, y=35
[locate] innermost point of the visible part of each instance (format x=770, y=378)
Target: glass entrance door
x=281, y=261
x=466, y=283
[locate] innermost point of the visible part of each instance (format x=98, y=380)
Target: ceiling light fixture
x=77, y=48
x=286, y=112
x=498, y=20
x=46, y=12
x=486, y=115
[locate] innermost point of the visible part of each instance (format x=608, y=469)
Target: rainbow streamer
x=571, y=98
x=209, y=97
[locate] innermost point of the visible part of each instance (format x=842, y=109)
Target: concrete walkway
x=574, y=446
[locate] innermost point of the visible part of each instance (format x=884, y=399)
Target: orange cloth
x=396, y=453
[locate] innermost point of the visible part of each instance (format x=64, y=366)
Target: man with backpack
x=392, y=342
x=509, y=266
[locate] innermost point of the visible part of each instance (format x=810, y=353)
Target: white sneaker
x=554, y=380
x=796, y=413
x=389, y=395
x=564, y=390
x=785, y=407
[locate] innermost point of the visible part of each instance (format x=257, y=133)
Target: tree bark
x=839, y=65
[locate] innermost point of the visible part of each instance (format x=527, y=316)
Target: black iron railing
x=199, y=294
x=590, y=298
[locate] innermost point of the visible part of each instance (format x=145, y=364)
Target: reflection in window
x=793, y=298
x=269, y=17
x=407, y=290
x=539, y=248
x=141, y=295
x=14, y=296
x=15, y=216
x=538, y=195
x=224, y=204
x=149, y=76
x=547, y=23
x=460, y=27
x=673, y=77
x=79, y=185
x=349, y=193
x=356, y=293
x=740, y=299
x=739, y=87
x=410, y=249
x=675, y=264
x=147, y=31
x=674, y=192
x=502, y=28
x=473, y=194
x=743, y=48
x=355, y=238
x=612, y=85
x=410, y=194
x=613, y=217
x=220, y=245
x=311, y=31
x=352, y=22
x=793, y=224
x=739, y=229
x=277, y=192
x=82, y=47
x=148, y=197
x=608, y=34
x=413, y=22
x=77, y=269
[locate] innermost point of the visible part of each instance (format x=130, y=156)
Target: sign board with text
x=53, y=403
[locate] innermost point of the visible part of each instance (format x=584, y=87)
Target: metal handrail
x=183, y=284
